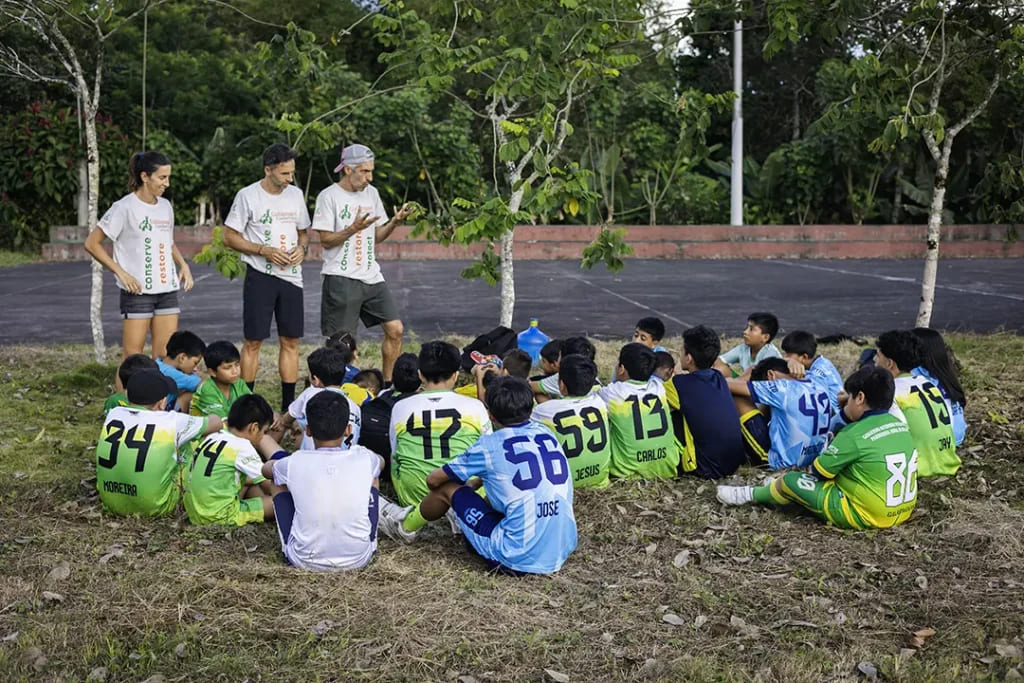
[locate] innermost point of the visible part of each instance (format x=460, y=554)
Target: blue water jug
x=532, y=340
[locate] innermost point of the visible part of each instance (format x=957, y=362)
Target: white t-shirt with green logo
x=355, y=257
x=143, y=236
x=273, y=220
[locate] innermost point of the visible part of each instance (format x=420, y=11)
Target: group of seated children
x=499, y=458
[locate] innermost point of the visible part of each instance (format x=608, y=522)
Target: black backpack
x=496, y=342
x=374, y=433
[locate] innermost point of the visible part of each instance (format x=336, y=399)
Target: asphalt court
x=48, y=303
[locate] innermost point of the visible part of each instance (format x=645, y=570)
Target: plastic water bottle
x=532, y=340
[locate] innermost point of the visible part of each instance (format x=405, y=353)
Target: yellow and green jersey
x=927, y=415
x=874, y=463
x=216, y=477
x=138, y=471
x=643, y=443
x=118, y=400
x=580, y=424
x=210, y=400
x=427, y=431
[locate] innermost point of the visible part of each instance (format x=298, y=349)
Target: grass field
x=665, y=584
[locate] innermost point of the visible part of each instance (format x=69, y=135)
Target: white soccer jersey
x=297, y=409
x=273, y=220
x=143, y=237
x=356, y=257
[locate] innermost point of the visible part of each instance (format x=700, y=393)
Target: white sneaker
x=735, y=495
x=390, y=521
x=453, y=519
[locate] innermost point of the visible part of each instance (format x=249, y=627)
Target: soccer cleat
x=735, y=495
x=453, y=519
x=390, y=521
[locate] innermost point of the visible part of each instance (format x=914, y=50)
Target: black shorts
x=756, y=439
x=345, y=301
x=145, y=306
x=265, y=297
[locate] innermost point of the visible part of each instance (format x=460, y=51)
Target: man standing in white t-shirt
x=350, y=219
x=269, y=224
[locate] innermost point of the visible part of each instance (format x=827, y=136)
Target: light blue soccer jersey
x=801, y=413
x=527, y=479
x=823, y=373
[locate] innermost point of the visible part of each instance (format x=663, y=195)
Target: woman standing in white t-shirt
x=146, y=262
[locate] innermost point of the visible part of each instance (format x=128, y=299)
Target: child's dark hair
x=185, y=342
x=580, y=345
x=768, y=323
x=439, y=360
x=248, y=409
x=703, y=345
x=343, y=341
x=760, y=371
x=664, y=359
x=220, y=352
x=652, y=326
x=405, y=374
x=144, y=162
x=132, y=364
x=510, y=400
x=517, y=363
x=877, y=383
x=637, y=359
x=278, y=153
x=938, y=360
x=370, y=379
x=327, y=365
x=578, y=373
x=902, y=347
x=801, y=343
x=551, y=351
x=327, y=415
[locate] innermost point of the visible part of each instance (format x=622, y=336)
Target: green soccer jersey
x=210, y=400
x=216, y=477
x=874, y=464
x=927, y=415
x=427, y=431
x=581, y=426
x=115, y=401
x=643, y=443
x=137, y=467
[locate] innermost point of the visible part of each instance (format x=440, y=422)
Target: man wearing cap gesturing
x=350, y=220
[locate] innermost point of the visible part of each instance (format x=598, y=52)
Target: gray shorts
x=144, y=306
x=345, y=301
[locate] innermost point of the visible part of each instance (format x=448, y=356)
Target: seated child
x=548, y=387
x=225, y=484
x=643, y=445
x=184, y=352
x=650, y=332
x=327, y=368
x=802, y=347
x=704, y=420
x=376, y=418
x=549, y=355
x=138, y=470
x=433, y=426
x=327, y=516
x=526, y=525
x=364, y=386
x=800, y=415
x=129, y=366
x=515, y=363
x=579, y=422
x=938, y=366
x=757, y=345
x=345, y=342
x=866, y=478
x=665, y=369
x=224, y=386
x=920, y=403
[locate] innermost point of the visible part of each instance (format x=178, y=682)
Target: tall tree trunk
x=99, y=346
x=931, y=258
x=508, y=279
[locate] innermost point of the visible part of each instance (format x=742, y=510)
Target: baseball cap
x=147, y=387
x=353, y=155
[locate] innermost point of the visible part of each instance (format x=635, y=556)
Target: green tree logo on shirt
x=345, y=214
x=266, y=219
x=146, y=224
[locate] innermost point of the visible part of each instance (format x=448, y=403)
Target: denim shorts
x=144, y=306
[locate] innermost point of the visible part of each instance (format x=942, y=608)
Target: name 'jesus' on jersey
x=581, y=426
x=643, y=443
x=428, y=430
x=927, y=415
x=798, y=428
